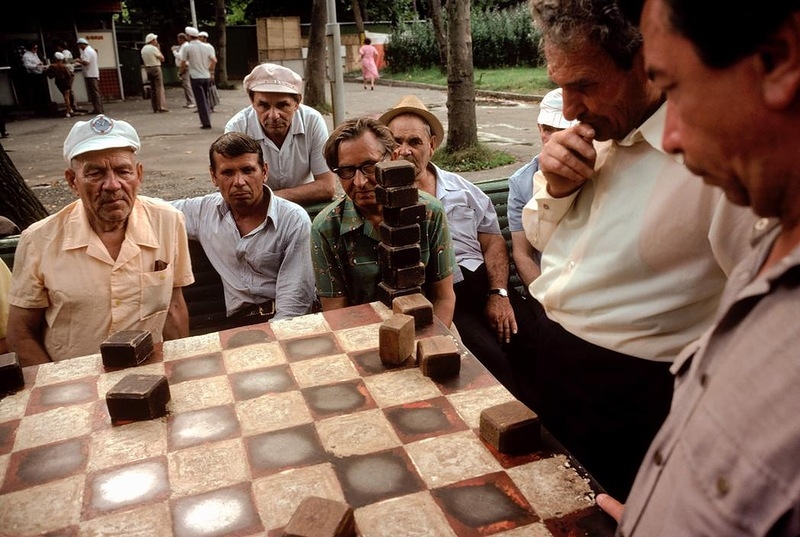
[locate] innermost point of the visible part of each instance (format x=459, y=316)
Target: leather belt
x=261, y=312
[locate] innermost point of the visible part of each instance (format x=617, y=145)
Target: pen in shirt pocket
x=160, y=265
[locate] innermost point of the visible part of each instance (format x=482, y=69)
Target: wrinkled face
x=275, y=112
x=414, y=141
x=708, y=121
x=239, y=179
x=107, y=182
x=364, y=150
x=596, y=91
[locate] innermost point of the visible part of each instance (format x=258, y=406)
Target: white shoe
x=67, y=115
x=190, y=106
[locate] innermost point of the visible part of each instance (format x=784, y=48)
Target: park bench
x=205, y=297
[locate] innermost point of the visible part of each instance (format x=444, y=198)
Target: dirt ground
x=175, y=149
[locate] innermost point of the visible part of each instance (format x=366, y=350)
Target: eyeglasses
x=367, y=168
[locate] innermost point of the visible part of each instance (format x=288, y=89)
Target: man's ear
x=780, y=62
x=69, y=175
x=213, y=176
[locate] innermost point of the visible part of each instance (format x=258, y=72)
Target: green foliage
x=524, y=80
x=500, y=38
x=472, y=159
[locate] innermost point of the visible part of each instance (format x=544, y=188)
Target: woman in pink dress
x=369, y=63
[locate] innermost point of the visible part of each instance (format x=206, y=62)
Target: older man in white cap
x=199, y=61
x=91, y=74
x=520, y=188
x=484, y=313
x=109, y=261
x=292, y=135
x=153, y=58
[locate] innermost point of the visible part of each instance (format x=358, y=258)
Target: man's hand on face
x=567, y=160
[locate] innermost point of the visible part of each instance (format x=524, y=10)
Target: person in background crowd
x=199, y=61
x=257, y=242
x=5, y=282
x=725, y=461
x=520, y=188
x=69, y=60
x=186, y=82
x=345, y=235
x=213, y=95
x=110, y=261
x=63, y=79
x=292, y=135
x=37, y=92
x=153, y=58
x=369, y=63
x=91, y=73
x=635, y=250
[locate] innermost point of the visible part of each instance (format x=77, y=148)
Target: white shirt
x=151, y=56
x=92, y=69
x=199, y=57
x=32, y=62
x=636, y=260
x=300, y=156
x=469, y=212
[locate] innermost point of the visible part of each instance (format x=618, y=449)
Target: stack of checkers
x=400, y=256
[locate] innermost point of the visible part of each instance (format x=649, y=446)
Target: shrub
x=500, y=38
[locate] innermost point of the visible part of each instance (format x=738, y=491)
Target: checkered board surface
x=262, y=417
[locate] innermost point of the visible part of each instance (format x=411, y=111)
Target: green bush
x=500, y=38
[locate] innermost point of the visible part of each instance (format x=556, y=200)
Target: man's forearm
x=176, y=324
x=314, y=192
x=29, y=350
x=495, y=257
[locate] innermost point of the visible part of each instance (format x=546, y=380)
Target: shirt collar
x=272, y=211
x=80, y=233
x=651, y=131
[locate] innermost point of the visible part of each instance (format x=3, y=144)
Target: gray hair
x=566, y=24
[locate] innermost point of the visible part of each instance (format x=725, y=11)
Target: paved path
x=175, y=149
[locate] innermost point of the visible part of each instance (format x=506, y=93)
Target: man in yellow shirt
x=108, y=262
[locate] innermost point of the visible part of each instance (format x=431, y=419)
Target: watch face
x=500, y=291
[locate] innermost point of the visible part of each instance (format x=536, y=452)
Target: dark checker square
x=205, y=366
x=354, y=317
x=62, y=394
x=378, y=476
x=310, y=347
x=338, y=399
x=589, y=521
x=246, y=335
x=424, y=419
x=275, y=451
x=43, y=464
x=484, y=505
x=201, y=426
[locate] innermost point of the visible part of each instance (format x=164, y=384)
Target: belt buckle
x=267, y=309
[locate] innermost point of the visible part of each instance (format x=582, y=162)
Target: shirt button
x=546, y=207
x=761, y=224
x=658, y=458
x=117, y=302
x=723, y=487
x=703, y=380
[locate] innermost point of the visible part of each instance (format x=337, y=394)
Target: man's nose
x=360, y=179
x=672, y=131
x=572, y=103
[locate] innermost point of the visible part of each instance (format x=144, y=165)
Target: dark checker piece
x=511, y=427
x=438, y=357
x=401, y=278
x=320, y=517
x=391, y=257
x=127, y=348
x=400, y=235
x=404, y=216
x=386, y=293
x=395, y=173
x=138, y=397
x=396, y=196
x=415, y=305
x=11, y=378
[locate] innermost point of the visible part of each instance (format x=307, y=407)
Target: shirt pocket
x=156, y=292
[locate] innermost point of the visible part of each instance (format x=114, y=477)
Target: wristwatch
x=498, y=291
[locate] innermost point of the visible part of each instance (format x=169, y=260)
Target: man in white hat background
x=520, y=188
x=292, y=135
x=199, y=61
x=152, y=59
x=186, y=82
x=485, y=308
x=91, y=74
x=110, y=261
x=213, y=95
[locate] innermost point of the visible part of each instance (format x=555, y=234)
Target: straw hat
x=410, y=104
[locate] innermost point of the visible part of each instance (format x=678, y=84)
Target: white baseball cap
x=82, y=41
x=191, y=31
x=551, y=111
x=102, y=132
x=59, y=56
x=150, y=37
x=202, y=34
x=273, y=78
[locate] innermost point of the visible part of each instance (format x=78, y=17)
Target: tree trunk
x=17, y=201
x=462, y=123
x=315, y=63
x=222, y=43
x=359, y=20
x=439, y=32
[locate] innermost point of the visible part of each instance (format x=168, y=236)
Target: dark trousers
x=479, y=337
x=200, y=89
x=604, y=406
x=93, y=89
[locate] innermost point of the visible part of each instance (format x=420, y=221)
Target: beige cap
x=273, y=78
x=410, y=104
x=150, y=37
x=99, y=133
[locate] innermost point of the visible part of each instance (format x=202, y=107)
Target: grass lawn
x=525, y=80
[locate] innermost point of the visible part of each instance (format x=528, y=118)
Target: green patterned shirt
x=344, y=249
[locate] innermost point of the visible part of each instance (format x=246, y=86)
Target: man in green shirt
x=345, y=235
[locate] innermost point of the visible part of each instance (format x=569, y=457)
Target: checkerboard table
x=264, y=416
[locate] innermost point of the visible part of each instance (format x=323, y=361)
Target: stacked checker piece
x=399, y=253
